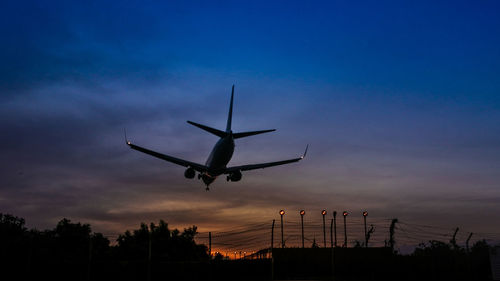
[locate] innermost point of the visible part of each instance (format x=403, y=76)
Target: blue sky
x=399, y=102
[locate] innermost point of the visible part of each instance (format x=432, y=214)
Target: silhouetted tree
x=165, y=244
x=369, y=234
x=314, y=245
x=392, y=241
x=480, y=257
x=100, y=246
x=14, y=238
x=134, y=246
x=73, y=240
x=433, y=248
x=218, y=257
x=357, y=244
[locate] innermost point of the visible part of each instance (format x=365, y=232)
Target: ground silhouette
x=71, y=251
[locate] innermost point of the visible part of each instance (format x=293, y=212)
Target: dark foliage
x=165, y=245
x=72, y=247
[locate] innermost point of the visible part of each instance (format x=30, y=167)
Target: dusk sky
x=399, y=102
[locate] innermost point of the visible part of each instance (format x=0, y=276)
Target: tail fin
x=247, y=134
x=216, y=132
x=230, y=115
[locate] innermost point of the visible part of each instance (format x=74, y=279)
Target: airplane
x=220, y=156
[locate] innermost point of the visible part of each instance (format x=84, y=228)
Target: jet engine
x=234, y=176
x=189, y=173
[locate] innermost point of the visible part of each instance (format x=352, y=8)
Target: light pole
x=302, y=213
x=282, y=240
x=335, y=227
x=345, y=228
x=323, y=213
x=365, y=214
x=331, y=233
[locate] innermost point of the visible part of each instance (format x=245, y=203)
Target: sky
x=399, y=102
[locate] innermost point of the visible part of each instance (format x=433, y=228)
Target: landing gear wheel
x=207, y=189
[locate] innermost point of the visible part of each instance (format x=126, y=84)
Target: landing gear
x=207, y=189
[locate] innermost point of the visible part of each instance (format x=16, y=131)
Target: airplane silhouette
x=219, y=157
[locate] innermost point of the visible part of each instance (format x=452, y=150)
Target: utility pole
x=90, y=258
x=149, y=255
x=272, y=237
x=302, y=213
x=272, y=256
x=210, y=245
x=335, y=227
x=324, y=230
x=345, y=228
x=365, y=214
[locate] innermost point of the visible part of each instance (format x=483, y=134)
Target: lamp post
x=345, y=228
x=365, y=214
x=282, y=212
x=331, y=233
x=323, y=213
x=335, y=227
x=302, y=213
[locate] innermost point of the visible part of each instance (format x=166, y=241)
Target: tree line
x=75, y=242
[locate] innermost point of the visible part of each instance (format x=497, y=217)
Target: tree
x=314, y=245
x=392, y=241
x=14, y=238
x=166, y=245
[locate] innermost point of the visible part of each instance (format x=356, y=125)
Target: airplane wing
x=178, y=161
x=263, y=165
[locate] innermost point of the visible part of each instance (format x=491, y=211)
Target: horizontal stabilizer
x=216, y=132
x=247, y=134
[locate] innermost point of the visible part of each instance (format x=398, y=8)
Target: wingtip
x=126, y=140
x=305, y=152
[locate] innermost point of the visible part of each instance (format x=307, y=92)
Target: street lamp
x=345, y=228
x=302, y=213
x=323, y=213
x=282, y=213
x=365, y=214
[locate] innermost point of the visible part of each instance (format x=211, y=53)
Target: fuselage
x=219, y=157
